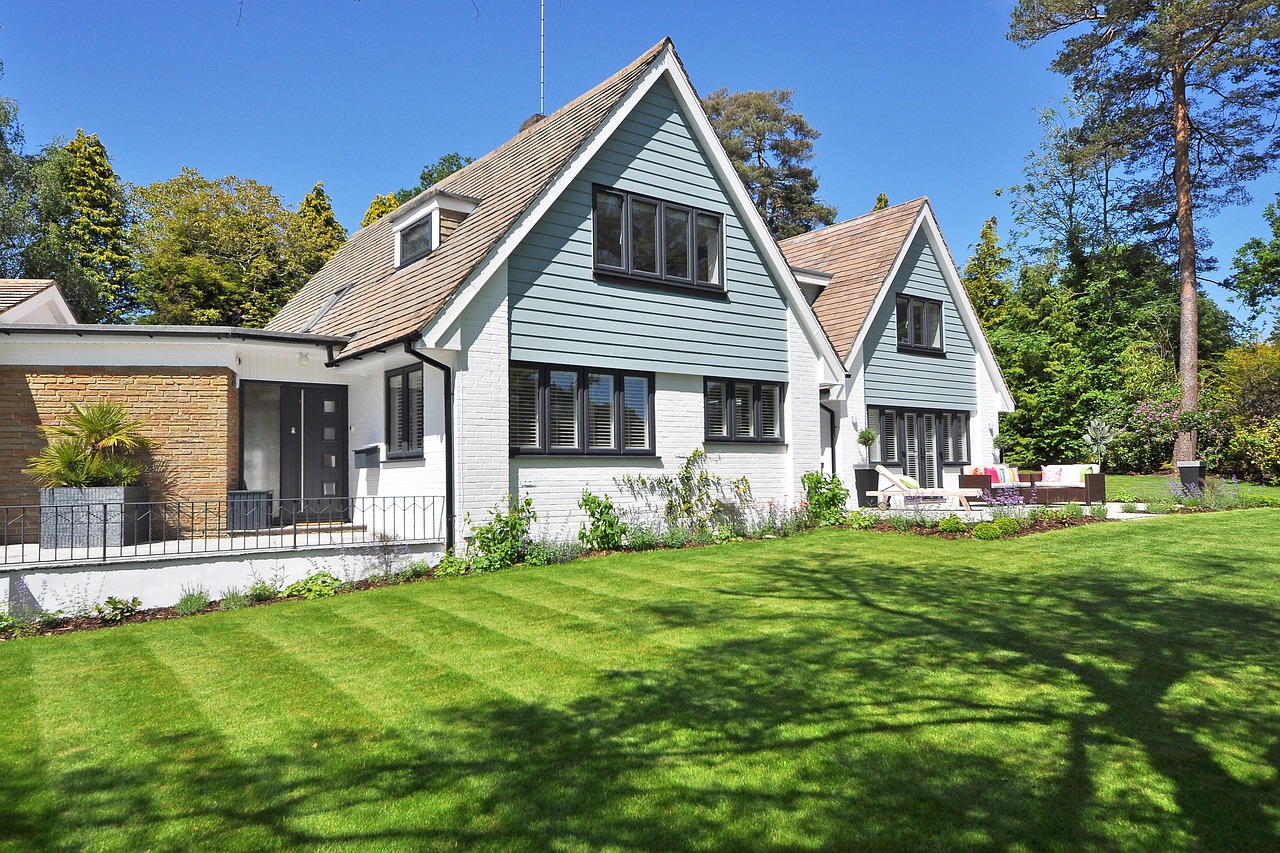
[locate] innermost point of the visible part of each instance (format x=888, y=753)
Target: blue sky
x=912, y=98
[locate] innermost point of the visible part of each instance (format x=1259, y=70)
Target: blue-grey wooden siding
x=909, y=379
x=560, y=312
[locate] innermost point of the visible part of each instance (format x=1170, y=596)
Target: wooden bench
x=899, y=489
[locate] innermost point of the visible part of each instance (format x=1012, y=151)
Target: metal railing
x=111, y=531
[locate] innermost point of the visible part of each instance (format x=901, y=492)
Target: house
x=919, y=371
x=594, y=299
x=33, y=300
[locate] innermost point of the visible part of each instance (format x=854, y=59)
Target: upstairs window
x=415, y=241
x=656, y=240
x=743, y=411
x=569, y=410
x=919, y=324
x=404, y=413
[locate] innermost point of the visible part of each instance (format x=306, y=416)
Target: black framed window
x=404, y=412
x=580, y=410
x=919, y=324
x=415, y=241
x=947, y=432
x=645, y=238
x=739, y=410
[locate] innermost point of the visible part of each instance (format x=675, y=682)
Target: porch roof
x=212, y=332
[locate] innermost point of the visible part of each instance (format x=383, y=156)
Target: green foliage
x=1098, y=510
x=952, y=524
x=694, y=497
x=825, y=497
x=985, y=276
x=99, y=445
x=882, y=203
x=1129, y=507
x=1097, y=435
x=1071, y=509
x=432, y=174
x=605, y=530
x=225, y=252
x=1007, y=526
x=117, y=609
x=451, y=566
x=504, y=540
x=770, y=145
x=1256, y=281
x=676, y=537
x=985, y=530
x=321, y=235
x=193, y=600
x=549, y=552
x=859, y=520
x=320, y=584
x=642, y=538
x=262, y=589
x=233, y=599
x=378, y=208
x=17, y=193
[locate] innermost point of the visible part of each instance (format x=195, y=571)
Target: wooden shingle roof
x=859, y=255
x=386, y=305
x=15, y=291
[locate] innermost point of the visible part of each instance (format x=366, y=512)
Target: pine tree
x=378, y=208
x=882, y=201
x=322, y=234
x=985, y=278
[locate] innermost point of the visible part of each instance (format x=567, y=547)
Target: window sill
x=929, y=351
x=534, y=453
x=711, y=291
x=402, y=457
x=747, y=442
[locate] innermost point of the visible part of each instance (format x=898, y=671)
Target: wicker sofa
x=1052, y=484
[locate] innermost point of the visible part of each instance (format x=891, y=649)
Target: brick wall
x=192, y=414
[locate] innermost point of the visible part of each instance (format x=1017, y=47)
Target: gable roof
x=387, y=305
x=858, y=254
x=15, y=291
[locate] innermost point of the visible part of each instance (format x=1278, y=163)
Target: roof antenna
x=542, y=58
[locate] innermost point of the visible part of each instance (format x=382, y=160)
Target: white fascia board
x=925, y=221
x=46, y=306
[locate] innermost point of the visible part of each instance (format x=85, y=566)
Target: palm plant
x=97, y=446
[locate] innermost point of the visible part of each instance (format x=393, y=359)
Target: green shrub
x=549, y=552
x=675, y=537
x=1125, y=496
x=1129, y=507
x=1071, y=510
x=233, y=599
x=193, y=600
x=953, y=524
x=702, y=536
x=985, y=530
x=1098, y=510
x=825, y=498
x=415, y=569
x=117, y=609
x=606, y=531
x=451, y=566
x=861, y=520
x=503, y=540
x=693, y=497
x=320, y=584
x=642, y=538
x=1007, y=526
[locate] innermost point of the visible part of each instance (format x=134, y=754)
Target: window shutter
x=600, y=406
x=523, y=415
x=929, y=464
x=636, y=429
x=770, y=411
x=744, y=421
x=717, y=409
x=395, y=412
x=413, y=437
x=889, y=436
x=562, y=409
x=910, y=462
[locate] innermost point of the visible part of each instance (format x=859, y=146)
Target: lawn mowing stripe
x=28, y=810
x=131, y=749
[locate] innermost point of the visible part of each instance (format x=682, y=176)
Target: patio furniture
x=907, y=489
x=1052, y=484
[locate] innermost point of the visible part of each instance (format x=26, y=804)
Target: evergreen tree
x=1257, y=268
x=16, y=191
x=80, y=213
x=882, y=202
x=1192, y=85
x=770, y=145
x=378, y=208
x=322, y=234
x=434, y=173
x=985, y=276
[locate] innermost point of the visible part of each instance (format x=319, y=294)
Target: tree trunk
x=1184, y=447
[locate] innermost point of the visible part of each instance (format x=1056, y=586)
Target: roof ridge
x=919, y=201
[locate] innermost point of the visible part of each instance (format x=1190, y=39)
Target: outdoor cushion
x=1001, y=475
x=1066, y=475
x=909, y=482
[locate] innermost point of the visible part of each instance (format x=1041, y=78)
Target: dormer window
x=415, y=240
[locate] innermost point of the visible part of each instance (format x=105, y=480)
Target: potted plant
x=866, y=478
x=1000, y=443
x=91, y=477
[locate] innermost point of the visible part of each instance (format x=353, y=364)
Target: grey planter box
x=248, y=509
x=96, y=517
x=865, y=480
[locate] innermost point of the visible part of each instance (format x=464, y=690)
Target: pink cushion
x=1052, y=474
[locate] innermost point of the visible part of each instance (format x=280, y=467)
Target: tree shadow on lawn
x=835, y=704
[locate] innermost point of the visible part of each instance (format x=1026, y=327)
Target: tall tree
x=378, y=208
x=1195, y=86
x=1256, y=281
x=985, y=276
x=80, y=227
x=771, y=145
x=225, y=252
x=16, y=191
x=882, y=202
x=434, y=173
x=322, y=234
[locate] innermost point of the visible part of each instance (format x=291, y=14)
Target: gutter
x=449, y=512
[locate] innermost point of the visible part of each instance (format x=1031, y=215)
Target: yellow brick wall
x=191, y=413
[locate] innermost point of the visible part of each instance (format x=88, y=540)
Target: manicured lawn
x=1151, y=487
x=1106, y=687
